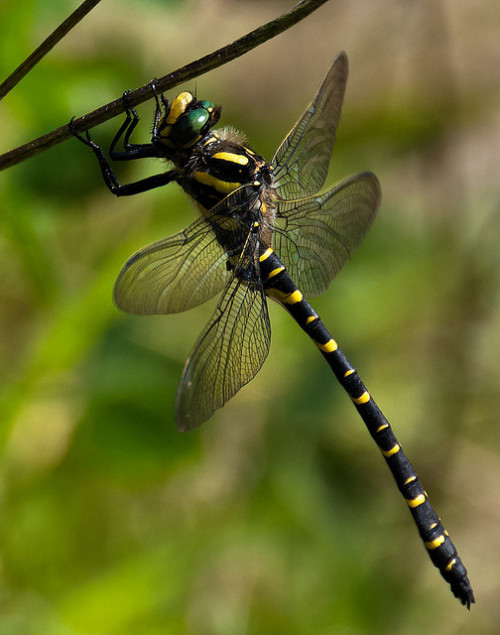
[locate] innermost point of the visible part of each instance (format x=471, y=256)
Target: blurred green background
x=279, y=515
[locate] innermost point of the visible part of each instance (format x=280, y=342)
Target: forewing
x=301, y=162
x=174, y=274
x=315, y=236
x=231, y=349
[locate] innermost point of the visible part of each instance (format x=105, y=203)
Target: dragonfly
x=265, y=230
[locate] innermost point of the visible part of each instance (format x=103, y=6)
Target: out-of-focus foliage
x=278, y=516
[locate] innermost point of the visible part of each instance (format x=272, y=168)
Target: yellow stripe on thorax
x=241, y=159
x=224, y=187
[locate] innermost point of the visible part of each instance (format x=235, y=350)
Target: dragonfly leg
x=110, y=178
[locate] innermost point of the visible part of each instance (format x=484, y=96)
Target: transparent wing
x=231, y=349
x=189, y=268
x=174, y=274
x=301, y=162
x=315, y=236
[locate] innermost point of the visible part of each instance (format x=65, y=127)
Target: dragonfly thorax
x=210, y=165
x=218, y=165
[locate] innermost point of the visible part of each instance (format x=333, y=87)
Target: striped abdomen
x=280, y=287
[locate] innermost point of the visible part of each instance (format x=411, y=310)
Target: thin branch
x=190, y=71
x=47, y=45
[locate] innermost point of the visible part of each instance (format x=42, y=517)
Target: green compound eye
x=189, y=126
x=206, y=104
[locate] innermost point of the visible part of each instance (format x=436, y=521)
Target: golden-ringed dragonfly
x=266, y=230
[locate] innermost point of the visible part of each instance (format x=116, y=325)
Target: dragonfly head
x=186, y=121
